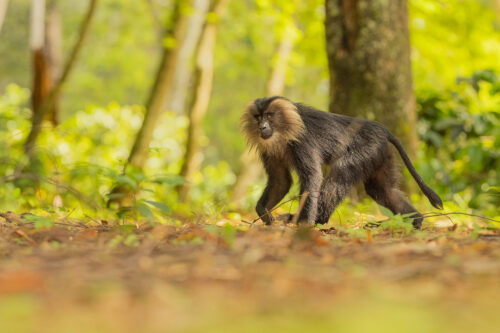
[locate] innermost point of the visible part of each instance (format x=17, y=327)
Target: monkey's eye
x=268, y=115
x=258, y=117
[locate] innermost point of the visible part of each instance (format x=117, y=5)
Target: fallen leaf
x=19, y=281
x=87, y=234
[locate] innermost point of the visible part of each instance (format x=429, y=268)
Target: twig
x=17, y=230
x=301, y=206
x=93, y=220
x=272, y=210
x=425, y=215
x=63, y=224
x=281, y=204
x=434, y=214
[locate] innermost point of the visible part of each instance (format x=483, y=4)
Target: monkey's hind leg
x=382, y=188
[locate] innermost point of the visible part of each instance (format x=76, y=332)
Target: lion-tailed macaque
x=294, y=136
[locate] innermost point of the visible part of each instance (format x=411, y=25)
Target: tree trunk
x=3, y=11
x=368, y=49
x=162, y=89
x=250, y=167
x=183, y=72
x=46, y=51
x=166, y=78
x=53, y=51
x=276, y=83
x=37, y=40
x=201, y=98
x=42, y=80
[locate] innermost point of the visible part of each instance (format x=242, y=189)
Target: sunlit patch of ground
x=199, y=277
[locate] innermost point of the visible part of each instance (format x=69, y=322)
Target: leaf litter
x=199, y=276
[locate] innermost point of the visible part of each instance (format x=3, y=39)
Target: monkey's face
x=265, y=124
x=269, y=123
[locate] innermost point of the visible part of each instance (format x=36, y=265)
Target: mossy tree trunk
x=368, y=49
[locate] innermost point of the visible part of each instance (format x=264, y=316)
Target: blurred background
x=101, y=99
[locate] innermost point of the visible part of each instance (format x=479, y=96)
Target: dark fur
x=356, y=150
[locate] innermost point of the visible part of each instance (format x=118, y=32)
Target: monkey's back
x=350, y=142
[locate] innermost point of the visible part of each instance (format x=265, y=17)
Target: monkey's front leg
x=310, y=183
x=278, y=184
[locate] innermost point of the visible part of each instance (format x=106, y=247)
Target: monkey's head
x=270, y=123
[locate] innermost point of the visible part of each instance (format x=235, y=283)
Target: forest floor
x=231, y=276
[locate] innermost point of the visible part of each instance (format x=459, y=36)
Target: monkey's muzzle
x=266, y=131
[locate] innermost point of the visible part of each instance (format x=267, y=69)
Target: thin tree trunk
x=184, y=71
x=250, y=167
x=42, y=81
x=276, y=83
x=201, y=98
x=54, y=93
x=46, y=51
x=163, y=87
x=368, y=49
x=3, y=11
x=53, y=51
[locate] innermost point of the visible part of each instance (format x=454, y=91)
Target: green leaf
x=115, y=195
x=144, y=210
x=159, y=205
x=126, y=180
x=39, y=221
x=385, y=211
x=172, y=180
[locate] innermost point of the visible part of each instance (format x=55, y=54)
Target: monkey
x=293, y=136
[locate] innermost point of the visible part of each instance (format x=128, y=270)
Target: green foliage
x=39, y=221
x=396, y=224
x=461, y=132
x=81, y=160
x=452, y=38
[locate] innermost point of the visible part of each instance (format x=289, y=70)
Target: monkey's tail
x=433, y=197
